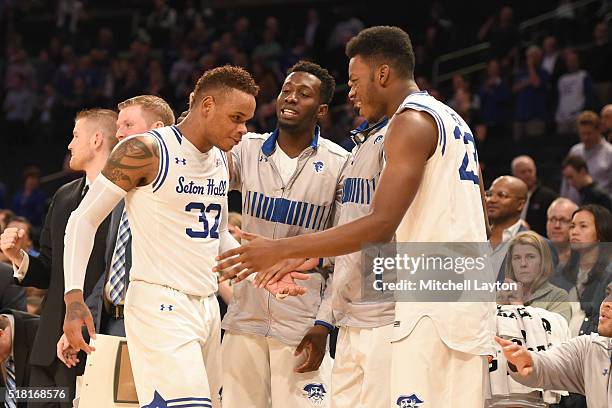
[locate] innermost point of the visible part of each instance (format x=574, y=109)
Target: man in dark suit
x=94, y=137
x=17, y=333
x=539, y=197
x=11, y=295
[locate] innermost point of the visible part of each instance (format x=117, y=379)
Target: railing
x=439, y=76
x=455, y=55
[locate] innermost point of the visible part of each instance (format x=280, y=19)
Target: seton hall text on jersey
x=211, y=188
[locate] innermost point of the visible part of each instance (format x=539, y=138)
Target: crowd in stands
x=540, y=110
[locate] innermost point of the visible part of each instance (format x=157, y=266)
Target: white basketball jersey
x=447, y=206
x=176, y=220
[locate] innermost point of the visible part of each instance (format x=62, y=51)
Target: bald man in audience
x=539, y=197
x=505, y=200
x=558, y=222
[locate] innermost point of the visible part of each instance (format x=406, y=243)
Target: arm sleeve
x=324, y=315
x=82, y=225
x=20, y=273
x=36, y=270
x=226, y=239
x=560, y=368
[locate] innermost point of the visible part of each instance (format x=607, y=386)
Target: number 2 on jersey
x=214, y=231
x=464, y=173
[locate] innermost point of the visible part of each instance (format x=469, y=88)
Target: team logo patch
x=263, y=158
x=218, y=162
x=318, y=166
x=315, y=392
x=408, y=401
x=163, y=307
x=378, y=139
x=181, y=160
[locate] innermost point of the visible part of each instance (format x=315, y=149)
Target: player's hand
x=314, y=346
x=277, y=271
x=10, y=244
x=77, y=316
x=519, y=356
x=287, y=286
x=256, y=255
x=66, y=353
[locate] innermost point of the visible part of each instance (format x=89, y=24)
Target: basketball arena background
x=59, y=57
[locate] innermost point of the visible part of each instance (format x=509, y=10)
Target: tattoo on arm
x=76, y=311
x=131, y=162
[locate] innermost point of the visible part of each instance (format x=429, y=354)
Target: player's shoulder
x=333, y=148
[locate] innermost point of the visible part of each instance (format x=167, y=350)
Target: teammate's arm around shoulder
x=133, y=162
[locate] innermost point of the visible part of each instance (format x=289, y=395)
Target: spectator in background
x=539, y=197
x=5, y=217
x=576, y=173
x=161, y=21
x=18, y=108
x=606, y=122
x=552, y=62
x=531, y=90
x=599, y=62
x=30, y=201
x=589, y=269
x=495, y=99
x=503, y=35
x=530, y=264
x=505, y=200
x=597, y=153
x=559, y=219
x=575, y=92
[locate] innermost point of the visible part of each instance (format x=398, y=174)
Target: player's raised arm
x=134, y=162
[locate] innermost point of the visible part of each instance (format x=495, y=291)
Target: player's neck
x=192, y=132
x=294, y=143
x=398, y=94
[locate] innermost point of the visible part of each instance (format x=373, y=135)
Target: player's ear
x=323, y=109
x=158, y=124
x=382, y=74
x=207, y=105
x=97, y=139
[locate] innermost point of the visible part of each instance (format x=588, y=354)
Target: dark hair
x=575, y=162
x=328, y=83
x=225, y=77
x=384, y=44
x=603, y=220
x=31, y=171
x=603, y=229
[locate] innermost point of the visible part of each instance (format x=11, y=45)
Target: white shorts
x=360, y=377
x=259, y=372
x=174, y=341
x=428, y=374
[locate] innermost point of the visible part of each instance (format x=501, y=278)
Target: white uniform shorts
x=174, y=341
x=259, y=372
x=426, y=373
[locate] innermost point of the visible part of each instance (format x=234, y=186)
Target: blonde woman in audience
x=529, y=263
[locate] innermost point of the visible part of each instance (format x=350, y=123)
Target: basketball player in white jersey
x=430, y=191
x=174, y=180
